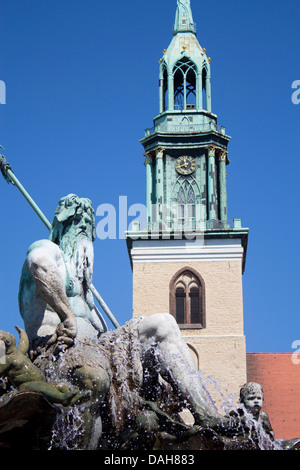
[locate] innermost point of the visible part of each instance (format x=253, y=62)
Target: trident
x=10, y=177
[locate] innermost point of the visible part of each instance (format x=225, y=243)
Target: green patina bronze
x=132, y=382
x=184, y=18
x=10, y=177
x=25, y=376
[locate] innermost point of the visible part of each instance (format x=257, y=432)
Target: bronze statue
x=24, y=375
x=118, y=372
x=58, y=313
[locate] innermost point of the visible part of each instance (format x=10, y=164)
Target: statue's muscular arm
x=46, y=264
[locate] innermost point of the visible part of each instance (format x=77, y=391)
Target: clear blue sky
x=82, y=85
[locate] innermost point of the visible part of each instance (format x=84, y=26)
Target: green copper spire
x=184, y=18
x=186, y=149
x=184, y=78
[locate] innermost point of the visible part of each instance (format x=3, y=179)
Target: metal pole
x=17, y=183
x=104, y=306
x=10, y=177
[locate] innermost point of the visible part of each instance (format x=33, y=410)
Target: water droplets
x=68, y=430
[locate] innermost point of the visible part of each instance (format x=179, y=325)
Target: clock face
x=185, y=165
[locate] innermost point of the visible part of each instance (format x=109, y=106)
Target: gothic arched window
x=191, y=206
x=181, y=206
x=165, y=89
x=185, y=199
x=204, y=100
x=187, y=298
x=184, y=74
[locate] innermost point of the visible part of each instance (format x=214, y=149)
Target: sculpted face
x=74, y=217
x=8, y=339
x=82, y=225
x=73, y=230
x=252, y=398
x=253, y=402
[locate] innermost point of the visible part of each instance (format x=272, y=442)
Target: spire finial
x=184, y=18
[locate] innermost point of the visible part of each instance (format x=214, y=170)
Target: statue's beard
x=79, y=256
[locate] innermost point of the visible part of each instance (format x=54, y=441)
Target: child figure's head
x=8, y=340
x=251, y=395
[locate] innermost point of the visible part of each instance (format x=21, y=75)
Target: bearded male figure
x=54, y=297
x=57, y=308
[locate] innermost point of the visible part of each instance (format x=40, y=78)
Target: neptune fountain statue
x=126, y=387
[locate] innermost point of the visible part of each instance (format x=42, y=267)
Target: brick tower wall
x=279, y=377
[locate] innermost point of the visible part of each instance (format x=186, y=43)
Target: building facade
x=189, y=257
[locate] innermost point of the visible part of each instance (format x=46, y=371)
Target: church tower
x=189, y=257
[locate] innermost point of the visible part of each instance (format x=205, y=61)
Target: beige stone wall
x=221, y=350
x=223, y=289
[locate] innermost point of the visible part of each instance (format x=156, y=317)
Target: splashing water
x=68, y=430
x=253, y=430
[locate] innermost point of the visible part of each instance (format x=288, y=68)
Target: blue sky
x=82, y=85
